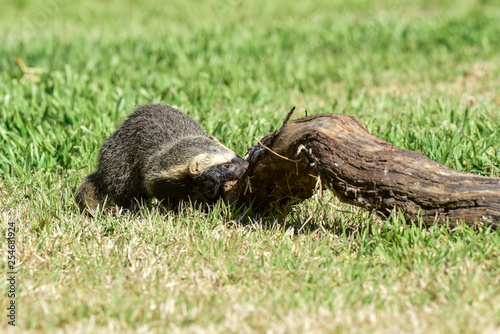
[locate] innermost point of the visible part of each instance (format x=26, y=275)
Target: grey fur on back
x=141, y=135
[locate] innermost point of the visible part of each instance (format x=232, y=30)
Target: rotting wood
x=335, y=151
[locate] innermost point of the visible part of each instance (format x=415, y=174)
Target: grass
x=422, y=75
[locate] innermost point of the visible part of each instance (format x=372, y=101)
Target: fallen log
x=336, y=152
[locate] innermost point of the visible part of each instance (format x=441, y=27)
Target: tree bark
x=335, y=151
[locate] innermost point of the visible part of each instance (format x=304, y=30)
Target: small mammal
x=160, y=152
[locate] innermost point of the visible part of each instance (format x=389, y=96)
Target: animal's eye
x=226, y=166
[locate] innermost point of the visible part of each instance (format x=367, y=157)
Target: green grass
x=422, y=75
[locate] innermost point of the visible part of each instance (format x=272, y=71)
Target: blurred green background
x=424, y=75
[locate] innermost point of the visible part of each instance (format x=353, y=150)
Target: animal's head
x=216, y=165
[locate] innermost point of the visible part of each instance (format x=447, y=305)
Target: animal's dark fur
x=159, y=152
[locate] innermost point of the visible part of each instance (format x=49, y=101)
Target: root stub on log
x=335, y=151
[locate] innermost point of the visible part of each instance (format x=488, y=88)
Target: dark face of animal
x=210, y=183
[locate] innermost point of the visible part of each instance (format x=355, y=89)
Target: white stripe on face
x=203, y=162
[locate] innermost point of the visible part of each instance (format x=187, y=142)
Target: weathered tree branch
x=335, y=151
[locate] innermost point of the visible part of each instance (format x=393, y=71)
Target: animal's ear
x=194, y=168
x=197, y=165
x=213, y=138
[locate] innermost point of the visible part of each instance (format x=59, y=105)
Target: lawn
x=422, y=75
